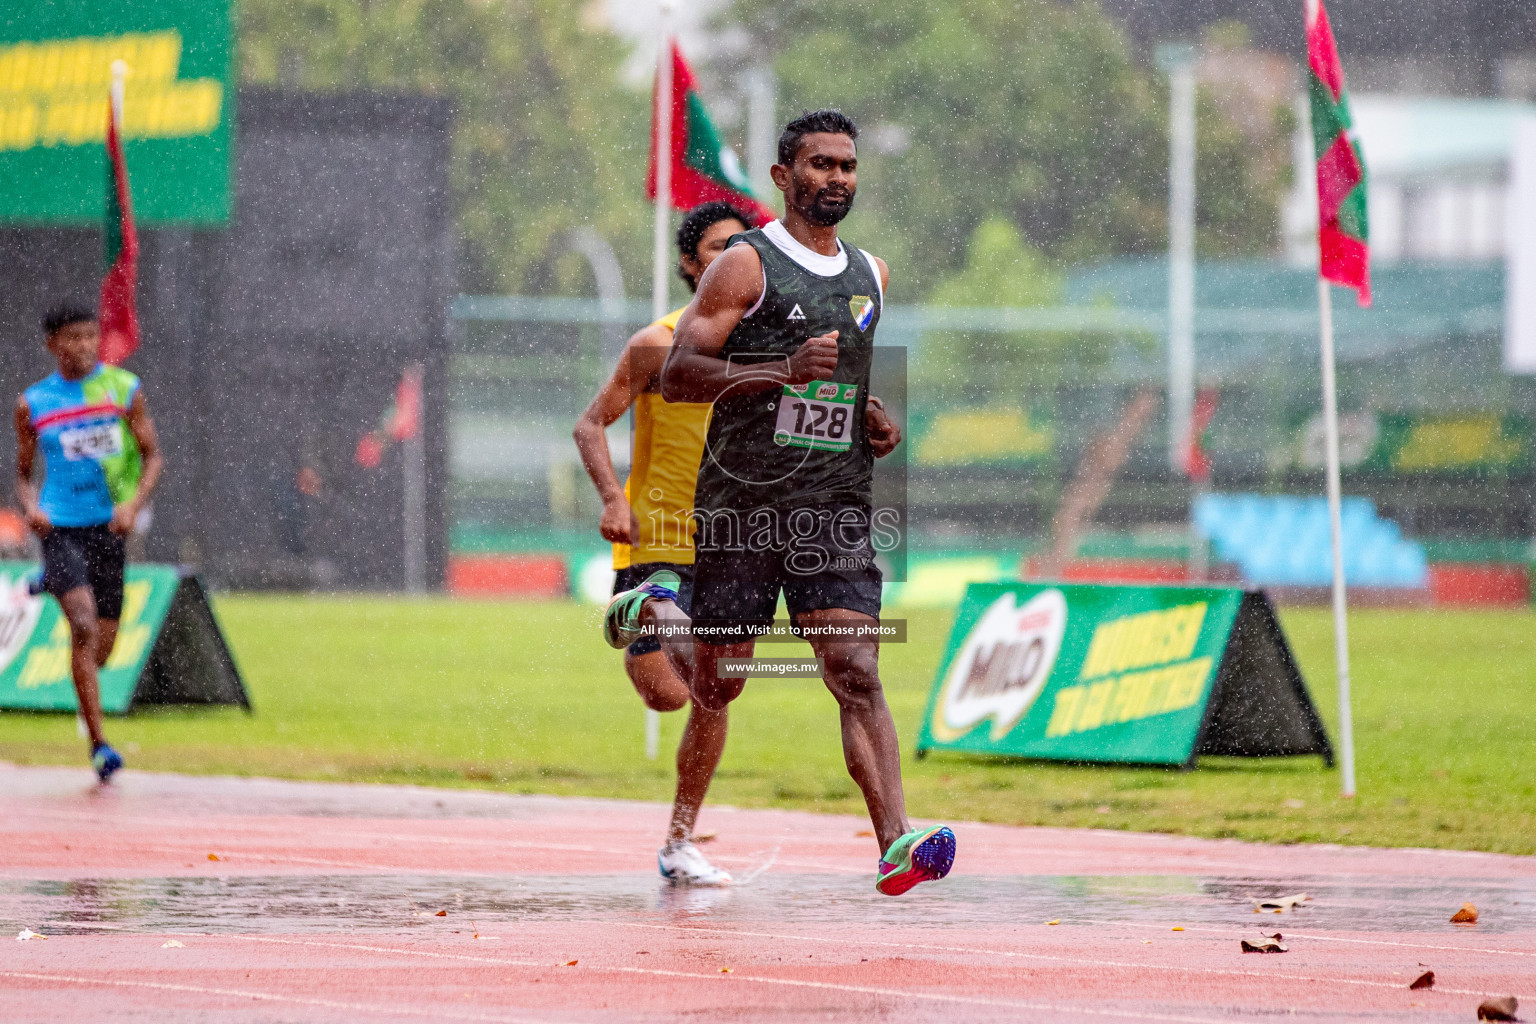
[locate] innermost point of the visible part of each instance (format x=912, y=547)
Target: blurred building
x=270, y=346
x=1424, y=47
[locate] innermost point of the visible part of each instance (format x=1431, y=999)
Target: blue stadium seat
x=1284, y=540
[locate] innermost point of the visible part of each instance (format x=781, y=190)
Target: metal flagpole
x=119, y=73
x=1335, y=528
x=413, y=494
x=661, y=265
x=414, y=499
x=1179, y=61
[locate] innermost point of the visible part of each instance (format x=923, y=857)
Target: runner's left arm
x=884, y=434
x=26, y=455
x=143, y=429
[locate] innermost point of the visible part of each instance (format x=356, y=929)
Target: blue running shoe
x=621, y=622
x=922, y=855
x=106, y=761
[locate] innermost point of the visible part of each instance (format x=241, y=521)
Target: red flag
x=1197, y=462
x=405, y=421
x=400, y=422
x=1343, y=235
x=370, y=450
x=703, y=168
x=118, y=316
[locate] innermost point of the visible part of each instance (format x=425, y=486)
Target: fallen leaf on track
x=1263, y=946
x=172, y=944
x=864, y=834
x=1498, y=1009
x=441, y=913
x=1425, y=980
x=1466, y=915
x=570, y=963
x=214, y=856
x=1280, y=904
x=1178, y=927
x=725, y=970
x=27, y=935
x=1057, y=921
x=709, y=837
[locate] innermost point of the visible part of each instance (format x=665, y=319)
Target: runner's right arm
x=26, y=454
x=637, y=369
x=694, y=371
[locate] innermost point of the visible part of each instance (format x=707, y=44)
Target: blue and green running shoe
x=106, y=761
x=922, y=855
x=621, y=623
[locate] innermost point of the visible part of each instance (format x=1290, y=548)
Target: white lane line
x=1015, y=954
x=942, y=997
x=435, y=1012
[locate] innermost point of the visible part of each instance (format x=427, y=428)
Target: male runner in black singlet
x=780, y=337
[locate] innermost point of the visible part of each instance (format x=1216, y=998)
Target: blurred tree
x=547, y=137
x=1032, y=110
x=1002, y=269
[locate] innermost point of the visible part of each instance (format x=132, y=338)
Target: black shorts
x=825, y=560
x=629, y=579
x=85, y=556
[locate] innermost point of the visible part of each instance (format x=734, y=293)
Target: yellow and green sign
x=55, y=72
x=165, y=652
x=1144, y=675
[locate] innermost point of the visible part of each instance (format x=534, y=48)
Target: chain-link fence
x=1004, y=403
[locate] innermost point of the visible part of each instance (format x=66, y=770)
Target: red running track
x=323, y=906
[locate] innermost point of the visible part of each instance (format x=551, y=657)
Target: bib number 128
x=818, y=415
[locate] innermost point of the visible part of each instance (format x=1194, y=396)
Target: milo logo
x=1002, y=665
x=826, y=391
x=797, y=389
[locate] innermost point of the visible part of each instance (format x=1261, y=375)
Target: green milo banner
x=55, y=75
x=1127, y=674
x=168, y=650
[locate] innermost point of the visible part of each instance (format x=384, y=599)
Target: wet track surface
x=169, y=898
x=315, y=904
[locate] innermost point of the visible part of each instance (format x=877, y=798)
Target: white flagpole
x=119, y=73
x=661, y=266
x=1335, y=528
x=661, y=248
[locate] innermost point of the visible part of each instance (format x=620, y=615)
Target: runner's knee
x=715, y=694
x=84, y=632
x=658, y=686
x=852, y=674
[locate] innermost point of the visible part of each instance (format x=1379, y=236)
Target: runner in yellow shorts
x=647, y=519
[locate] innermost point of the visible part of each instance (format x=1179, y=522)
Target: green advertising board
x=169, y=649
x=55, y=74
x=1119, y=674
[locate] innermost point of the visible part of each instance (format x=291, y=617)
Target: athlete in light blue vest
x=101, y=461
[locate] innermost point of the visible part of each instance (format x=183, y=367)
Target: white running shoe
x=683, y=864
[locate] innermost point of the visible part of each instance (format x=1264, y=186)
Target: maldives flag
x=1197, y=459
x=703, y=168
x=1342, y=234
x=118, y=314
x=401, y=421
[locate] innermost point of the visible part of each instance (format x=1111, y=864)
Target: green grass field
x=525, y=698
